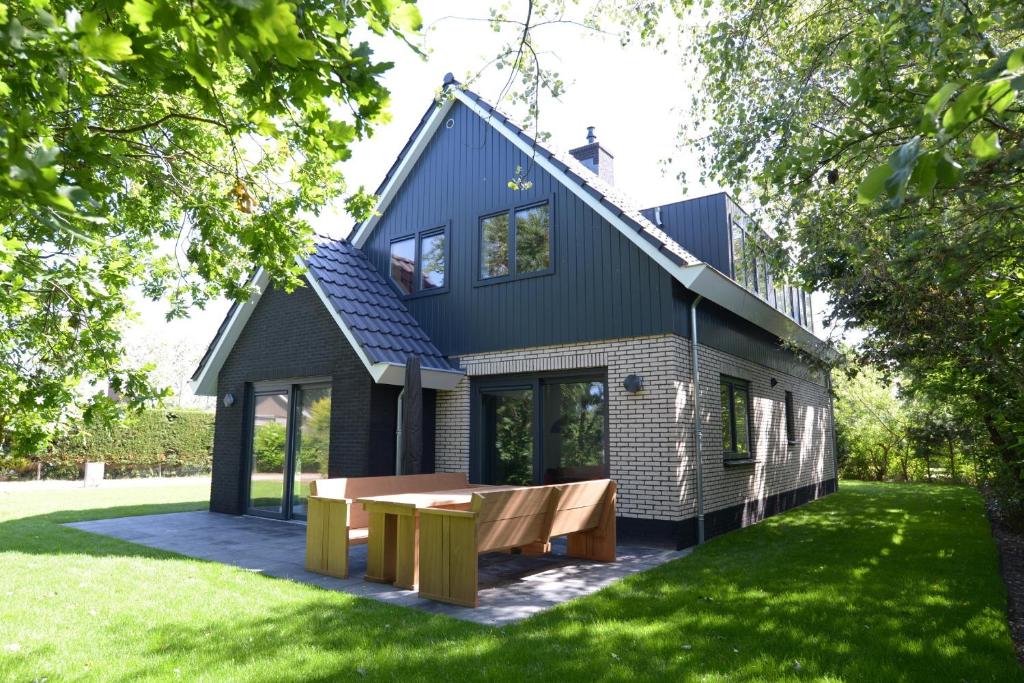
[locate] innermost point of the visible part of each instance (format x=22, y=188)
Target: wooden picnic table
x=393, y=542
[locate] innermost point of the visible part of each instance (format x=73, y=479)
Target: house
x=560, y=330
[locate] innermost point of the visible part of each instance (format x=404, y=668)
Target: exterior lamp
x=633, y=384
x=229, y=400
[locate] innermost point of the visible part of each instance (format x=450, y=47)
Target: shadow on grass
x=879, y=582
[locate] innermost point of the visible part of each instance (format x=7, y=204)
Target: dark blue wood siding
x=723, y=330
x=701, y=226
x=602, y=287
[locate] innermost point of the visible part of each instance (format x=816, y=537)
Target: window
x=494, y=246
x=739, y=260
x=808, y=312
x=735, y=418
x=419, y=263
x=546, y=429
x=790, y=419
x=762, y=277
x=432, y=261
x=516, y=242
x=533, y=239
x=403, y=264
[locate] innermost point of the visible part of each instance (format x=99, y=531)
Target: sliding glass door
x=508, y=434
x=269, y=453
x=545, y=429
x=289, y=446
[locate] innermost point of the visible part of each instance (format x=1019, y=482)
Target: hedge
x=152, y=443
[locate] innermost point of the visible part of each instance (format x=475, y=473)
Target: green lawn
x=876, y=583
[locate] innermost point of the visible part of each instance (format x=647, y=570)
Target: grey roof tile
x=379, y=321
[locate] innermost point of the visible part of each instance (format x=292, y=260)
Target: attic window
x=419, y=262
x=515, y=243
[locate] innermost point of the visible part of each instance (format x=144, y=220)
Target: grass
x=878, y=582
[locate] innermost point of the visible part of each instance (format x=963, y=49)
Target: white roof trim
x=382, y=373
x=720, y=289
x=206, y=383
x=392, y=373
x=406, y=165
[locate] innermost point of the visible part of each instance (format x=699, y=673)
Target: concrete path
x=512, y=587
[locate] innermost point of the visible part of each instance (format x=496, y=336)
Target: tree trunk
x=952, y=459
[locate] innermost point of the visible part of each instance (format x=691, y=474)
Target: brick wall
x=651, y=437
x=292, y=336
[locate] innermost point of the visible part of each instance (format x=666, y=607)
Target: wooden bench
x=451, y=540
x=333, y=523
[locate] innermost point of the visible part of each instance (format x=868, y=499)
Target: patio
x=512, y=587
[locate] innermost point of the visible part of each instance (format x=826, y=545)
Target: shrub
x=152, y=443
x=268, y=446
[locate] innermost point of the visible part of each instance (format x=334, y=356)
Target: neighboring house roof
x=694, y=274
x=367, y=310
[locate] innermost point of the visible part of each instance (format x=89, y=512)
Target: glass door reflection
x=271, y=411
x=311, y=442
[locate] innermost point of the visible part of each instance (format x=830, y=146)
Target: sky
x=635, y=97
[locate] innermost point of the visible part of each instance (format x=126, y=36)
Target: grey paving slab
x=512, y=587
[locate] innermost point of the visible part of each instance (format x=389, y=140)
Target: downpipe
x=696, y=419
x=398, y=433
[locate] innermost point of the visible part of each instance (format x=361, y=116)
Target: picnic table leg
x=448, y=562
x=380, y=548
x=327, y=537
x=406, y=551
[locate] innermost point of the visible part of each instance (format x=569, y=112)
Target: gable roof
x=608, y=202
x=367, y=310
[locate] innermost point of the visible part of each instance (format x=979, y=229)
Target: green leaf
x=106, y=46
x=985, y=146
x=1015, y=62
x=406, y=17
x=871, y=187
x=948, y=172
x=935, y=104
x=140, y=13
x=966, y=107
x=925, y=174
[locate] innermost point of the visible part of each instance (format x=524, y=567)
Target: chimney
x=595, y=157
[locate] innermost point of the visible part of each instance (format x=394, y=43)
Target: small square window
x=494, y=246
x=419, y=263
x=403, y=264
x=533, y=239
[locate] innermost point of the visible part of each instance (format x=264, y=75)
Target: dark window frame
x=513, y=265
x=732, y=383
x=790, y=419
x=417, y=237
x=290, y=388
x=479, y=468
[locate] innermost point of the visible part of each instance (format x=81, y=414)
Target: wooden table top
x=428, y=499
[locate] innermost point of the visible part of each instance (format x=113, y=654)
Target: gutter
x=696, y=419
x=832, y=420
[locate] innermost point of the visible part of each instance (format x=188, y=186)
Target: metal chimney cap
x=591, y=138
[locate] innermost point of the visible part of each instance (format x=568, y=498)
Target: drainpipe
x=398, y=433
x=832, y=419
x=696, y=420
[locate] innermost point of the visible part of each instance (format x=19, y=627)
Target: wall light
x=229, y=400
x=633, y=383
x=774, y=382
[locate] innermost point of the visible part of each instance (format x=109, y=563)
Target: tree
x=884, y=138
x=166, y=145
x=873, y=424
